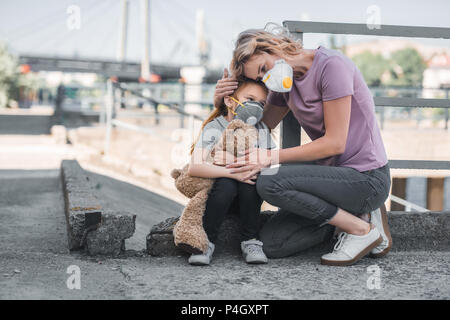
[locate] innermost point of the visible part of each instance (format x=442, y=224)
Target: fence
x=114, y=100
x=291, y=129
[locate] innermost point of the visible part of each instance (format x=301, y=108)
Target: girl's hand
x=251, y=163
x=241, y=176
x=222, y=158
x=224, y=87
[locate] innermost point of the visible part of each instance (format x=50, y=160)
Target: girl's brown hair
x=256, y=41
x=222, y=110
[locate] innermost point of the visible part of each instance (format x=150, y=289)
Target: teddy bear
x=239, y=136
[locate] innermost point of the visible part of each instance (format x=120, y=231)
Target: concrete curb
x=89, y=225
x=410, y=231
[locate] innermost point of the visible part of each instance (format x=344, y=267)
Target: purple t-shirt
x=331, y=76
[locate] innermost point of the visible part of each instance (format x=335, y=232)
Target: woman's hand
x=251, y=163
x=224, y=87
x=222, y=158
x=242, y=177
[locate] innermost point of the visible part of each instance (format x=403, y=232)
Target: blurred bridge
x=124, y=71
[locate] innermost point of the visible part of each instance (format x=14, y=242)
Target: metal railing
x=290, y=131
x=113, y=102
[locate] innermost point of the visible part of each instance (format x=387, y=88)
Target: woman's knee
x=266, y=187
x=379, y=197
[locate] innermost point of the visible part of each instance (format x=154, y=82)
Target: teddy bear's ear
x=175, y=173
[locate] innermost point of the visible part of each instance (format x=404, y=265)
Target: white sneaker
x=203, y=259
x=253, y=253
x=379, y=218
x=350, y=248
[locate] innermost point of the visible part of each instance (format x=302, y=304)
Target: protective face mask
x=279, y=78
x=250, y=112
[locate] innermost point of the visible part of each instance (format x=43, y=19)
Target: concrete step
x=90, y=225
x=409, y=230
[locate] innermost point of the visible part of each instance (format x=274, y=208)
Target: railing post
x=191, y=127
x=290, y=128
x=446, y=109
x=290, y=131
x=109, y=108
x=105, y=102
x=156, y=92
x=182, y=103
x=155, y=106
x=117, y=100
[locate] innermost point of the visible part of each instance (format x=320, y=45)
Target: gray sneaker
x=203, y=259
x=252, y=251
x=379, y=218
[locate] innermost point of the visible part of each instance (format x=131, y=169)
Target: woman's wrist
x=275, y=157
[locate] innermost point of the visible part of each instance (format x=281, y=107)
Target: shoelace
x=253, y=248
x=340, y=242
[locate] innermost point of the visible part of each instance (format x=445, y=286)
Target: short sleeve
x=265, y=140
x=336, y=79
x=209, y=136
x=277, y=99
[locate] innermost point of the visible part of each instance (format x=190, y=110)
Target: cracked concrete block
x=410, y=231
x=80, y=197
x=109, y=238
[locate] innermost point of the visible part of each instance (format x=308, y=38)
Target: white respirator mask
x=279, y=78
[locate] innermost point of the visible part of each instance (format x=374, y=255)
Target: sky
x=40, y=27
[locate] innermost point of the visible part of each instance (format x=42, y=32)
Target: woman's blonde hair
x=222, y=110
x=273, y=39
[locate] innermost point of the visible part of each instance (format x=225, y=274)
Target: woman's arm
x=273, y=115
x=333, y=142
x=336, y=119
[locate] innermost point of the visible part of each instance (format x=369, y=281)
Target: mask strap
x=237, y=101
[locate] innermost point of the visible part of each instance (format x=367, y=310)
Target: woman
x=341, y=178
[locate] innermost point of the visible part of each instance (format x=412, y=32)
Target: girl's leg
x=249, y=211
x=220, y=198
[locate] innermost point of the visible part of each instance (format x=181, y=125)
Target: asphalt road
x=34, y=260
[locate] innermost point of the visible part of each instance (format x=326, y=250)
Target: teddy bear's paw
x=188, y=248
x=175, y=173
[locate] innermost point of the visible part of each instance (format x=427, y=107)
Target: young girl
x=230, y=187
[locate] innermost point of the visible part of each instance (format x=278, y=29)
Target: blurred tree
x=407, y=67
x=11, y=79
x=372, y=67
x=8, y=70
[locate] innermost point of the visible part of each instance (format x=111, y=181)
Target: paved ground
x=34, y=257
x=34, y=261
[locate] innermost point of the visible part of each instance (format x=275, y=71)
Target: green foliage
x=372, y=67
x=404, y=68
x=409, y=68
x=10, y=77
x=8, y=70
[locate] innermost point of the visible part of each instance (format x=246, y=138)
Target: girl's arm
x=198, y=167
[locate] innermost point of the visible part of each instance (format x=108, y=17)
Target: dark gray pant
x=309, y=195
